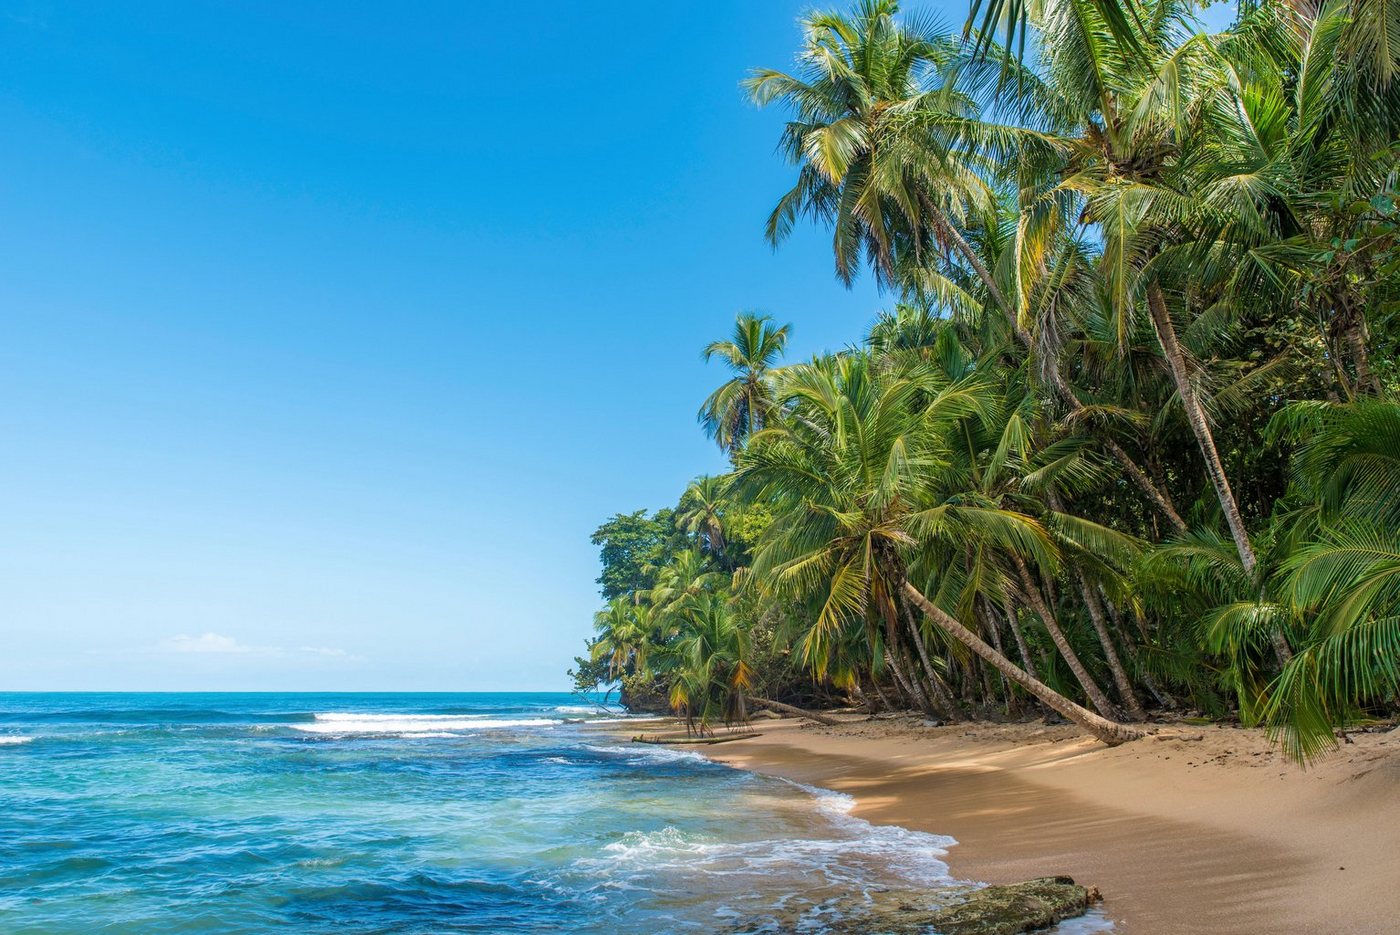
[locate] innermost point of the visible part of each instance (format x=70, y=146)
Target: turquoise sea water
x=369, y=813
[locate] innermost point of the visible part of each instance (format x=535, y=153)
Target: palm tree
x=714, y=669
x=851, y=476
x=740, y=407
x=866, y=105
x=1343, y=576
x=702, y=512
x=897, y=162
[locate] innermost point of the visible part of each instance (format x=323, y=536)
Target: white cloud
x=218, y=644
x=208, y=643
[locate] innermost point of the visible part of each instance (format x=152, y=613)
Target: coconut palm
x=702, y=512
x=851, y=474
x=866, y=103
x=714, y=669
x=742, y=404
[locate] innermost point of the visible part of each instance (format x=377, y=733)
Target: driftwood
x=794, y=712
x=716, y=738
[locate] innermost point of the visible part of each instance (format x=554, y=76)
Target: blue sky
x=327, y=339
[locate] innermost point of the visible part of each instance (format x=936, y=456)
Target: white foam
x=414, y=725
x=353, y=716
x=655, y=754
x=843, y=860
x=14, y=740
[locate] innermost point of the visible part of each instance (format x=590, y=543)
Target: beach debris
x=793, y=711
x=673, y=739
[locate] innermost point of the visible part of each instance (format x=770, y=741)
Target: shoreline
x=1196, y=828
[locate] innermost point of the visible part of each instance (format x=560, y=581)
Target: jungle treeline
x=1127, y=438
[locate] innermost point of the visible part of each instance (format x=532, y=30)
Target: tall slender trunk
x=989, y=623
x=1081, y=674
x=1101, y=728
x=911, y=674
x=1027, y=659
x=880, y=693
x=907, y=683
x=1157, y=497
x=942, y=699
x=1355, y=333
x=1200, y=427
x=1110, y=652
x=1205, y=440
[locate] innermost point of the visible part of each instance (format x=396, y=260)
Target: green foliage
x=1134, y=420
x=632, y=546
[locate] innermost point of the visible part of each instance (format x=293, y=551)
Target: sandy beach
x=1194, y=829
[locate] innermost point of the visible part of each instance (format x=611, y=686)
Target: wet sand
x=1195, y=829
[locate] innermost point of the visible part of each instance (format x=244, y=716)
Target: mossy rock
x=992, y=910
x=1010, y=910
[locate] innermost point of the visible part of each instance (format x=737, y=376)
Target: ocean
x=408, y=813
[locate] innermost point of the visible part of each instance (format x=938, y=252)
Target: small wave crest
x=12, y=740
x=640, y=754
x=414, y=725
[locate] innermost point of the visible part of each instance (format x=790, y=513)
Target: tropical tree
x=702, y=512
x=741, y=405
x=849, y=475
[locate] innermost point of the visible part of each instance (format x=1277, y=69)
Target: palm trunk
x=943, y=700
x=1154, y=494
x=1205, y=440
x=989, y=624
x=1200, y=427
x=910, y=697
x=1101, y=728
x=1356, y=342
x=1081, y=674
x=880, y=693
x=793, y=711
x=1026, y=659
x=1110, y=652
x=911, y=675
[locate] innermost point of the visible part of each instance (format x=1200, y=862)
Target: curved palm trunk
x=1081, y=674
x=1101, y=728
x=1156, y=497
x=1196, y=417
x=1026, y=659
x=1356, y=341
x=1110, y=652
x=1205, y=440
x=911, y=675
x=943, y=700
x=989, y=624
x=910, y=696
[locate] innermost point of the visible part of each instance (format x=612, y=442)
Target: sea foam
x=11, y=740
x=414, y=725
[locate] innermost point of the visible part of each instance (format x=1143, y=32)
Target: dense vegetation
x=1129, y=436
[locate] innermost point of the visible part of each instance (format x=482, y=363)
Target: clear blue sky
x=328, y=338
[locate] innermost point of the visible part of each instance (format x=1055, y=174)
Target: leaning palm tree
x=851, y=476
x=903, y=167
x=865, y=135
x=741, y=405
